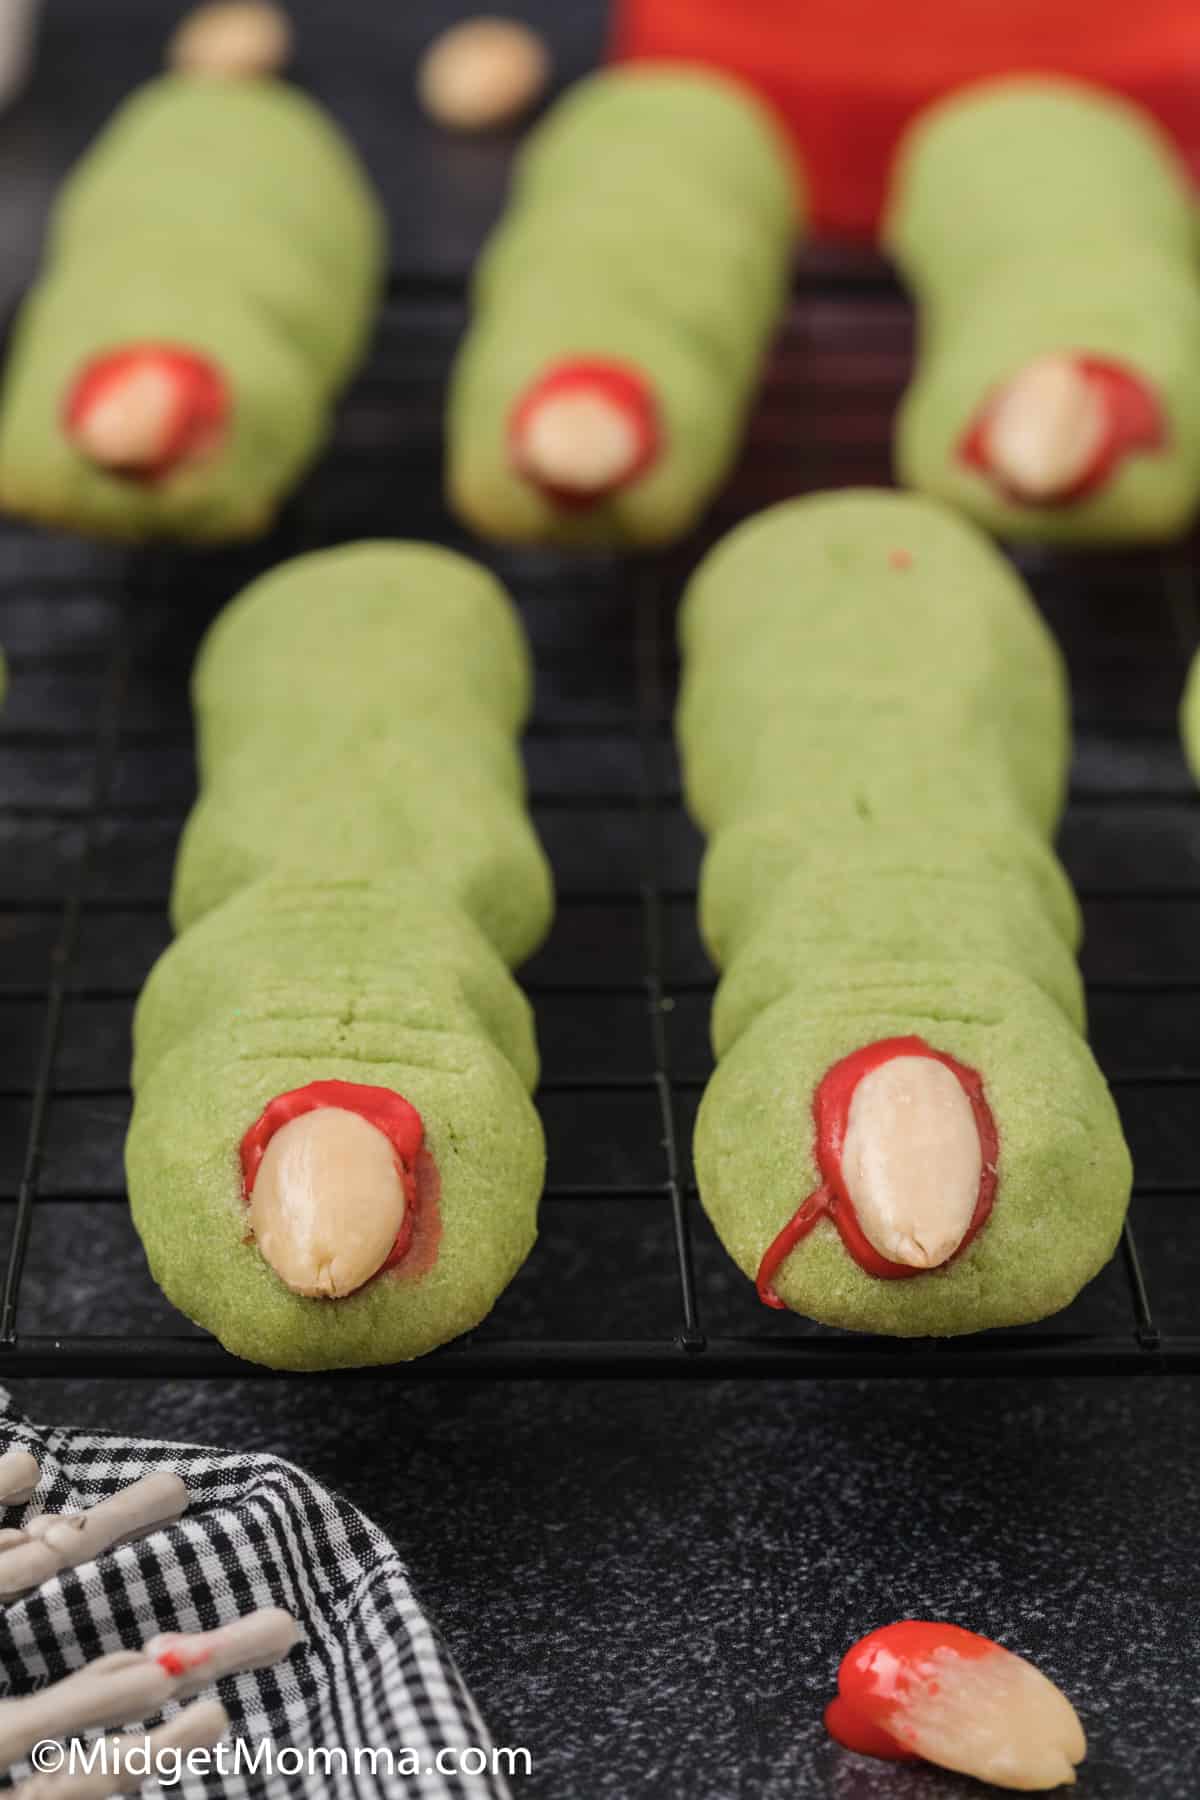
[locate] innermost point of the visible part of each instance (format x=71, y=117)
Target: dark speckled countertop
x=649, y=1585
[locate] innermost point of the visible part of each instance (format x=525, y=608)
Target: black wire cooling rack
x=96, y=776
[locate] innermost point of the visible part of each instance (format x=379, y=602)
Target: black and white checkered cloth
x=372, y=1670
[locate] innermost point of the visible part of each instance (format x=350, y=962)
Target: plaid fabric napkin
x=372, y=1670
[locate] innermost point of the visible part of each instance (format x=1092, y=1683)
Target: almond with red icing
x=1057, y=430
x=912, y=1160
x=328, y=1173
x=146, y=410
x=1045, y=430
x=908, y=1149
x=954, y=1698
x=585, y=430
x=328, y=1203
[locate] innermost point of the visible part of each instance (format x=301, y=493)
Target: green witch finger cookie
x=208, y=285
x=906, y=1131
x=620, y=312
x=333, y=1158
x=1047, y=232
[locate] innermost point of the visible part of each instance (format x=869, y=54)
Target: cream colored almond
x=1045, y=429
x=128, y=425
x=578, y=441
x=912, y=1161
x=482, y=73
x=232, y=38
x=995, y=1717
x=327, y=1203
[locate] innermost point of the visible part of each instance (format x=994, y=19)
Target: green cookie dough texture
x=226, y=217
x=875, y=733
x=1032, y=216
x=651, y=222
x=344, y=914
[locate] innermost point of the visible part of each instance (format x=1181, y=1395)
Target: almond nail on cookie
x=1047, y=232
x=621, y=311
x=333, y=1158
x=209, y=281
x=906, y=1131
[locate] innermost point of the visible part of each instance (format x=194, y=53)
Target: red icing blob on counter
x=622, y=386
x=831, y=1116
x=877, y=1674
x=199, y=410
x=389, y=1112
x=1133, y=420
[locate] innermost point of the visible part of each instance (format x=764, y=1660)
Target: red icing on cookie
x=831, y=1115
x=390, y=1113
x=877, y=1674
x=621, y=386
x=191, y=424
x=1133, y=419
x=425, y=1237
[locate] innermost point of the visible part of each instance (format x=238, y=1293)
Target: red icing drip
x=877, y=1676
x=819, y=1205
x=831, y=1116
x=1133, y=418
x=623, y=386
x=172, y=1663
x=389, y=1112
x=855, y=1732
x=201, y=401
